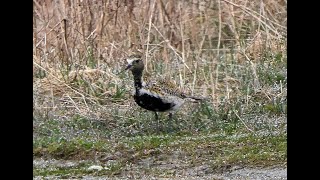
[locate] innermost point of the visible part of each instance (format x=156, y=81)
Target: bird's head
x=135, y=63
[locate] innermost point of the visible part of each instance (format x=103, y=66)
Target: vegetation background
x=231, y=51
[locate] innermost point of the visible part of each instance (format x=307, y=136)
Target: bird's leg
x=157, y=119
x=156, y=116
x=170, y=116
x=171, y=124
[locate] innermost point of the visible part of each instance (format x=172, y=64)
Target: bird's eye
x=136, y=61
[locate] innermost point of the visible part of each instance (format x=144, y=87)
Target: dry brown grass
x=79, y=46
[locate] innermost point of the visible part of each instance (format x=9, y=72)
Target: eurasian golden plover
x=155, y=95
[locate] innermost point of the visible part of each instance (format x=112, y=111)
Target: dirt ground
x=169, y=170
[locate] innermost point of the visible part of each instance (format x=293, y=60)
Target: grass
x=232, y=52
x=247, y=129
x=219, y=149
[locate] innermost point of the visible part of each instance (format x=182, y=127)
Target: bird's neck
x=137, y=76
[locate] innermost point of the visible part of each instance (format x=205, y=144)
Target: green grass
x=227, y=144
x=218, y=149
x=248, y=128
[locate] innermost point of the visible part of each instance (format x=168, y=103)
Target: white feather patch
x=174, y=100
x=130, y=61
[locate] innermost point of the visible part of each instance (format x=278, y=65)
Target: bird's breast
x=154, y=102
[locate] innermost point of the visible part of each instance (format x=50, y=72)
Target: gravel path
x=195, y=173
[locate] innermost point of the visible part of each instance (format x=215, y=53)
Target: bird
x=157, y=95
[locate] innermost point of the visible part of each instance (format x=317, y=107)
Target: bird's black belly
x=152, y=103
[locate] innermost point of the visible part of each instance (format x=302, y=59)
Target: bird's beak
x=128, y=67
x=129, y=64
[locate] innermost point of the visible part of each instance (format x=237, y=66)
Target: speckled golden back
x=163, y=87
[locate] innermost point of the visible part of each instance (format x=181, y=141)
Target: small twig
x=148, y=38
x=77, y=92
x=242, y=121
x=49, y=32
x=251, y=13
x=172, y=48
x=74, y=104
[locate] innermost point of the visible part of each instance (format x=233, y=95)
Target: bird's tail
x=196, y=98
